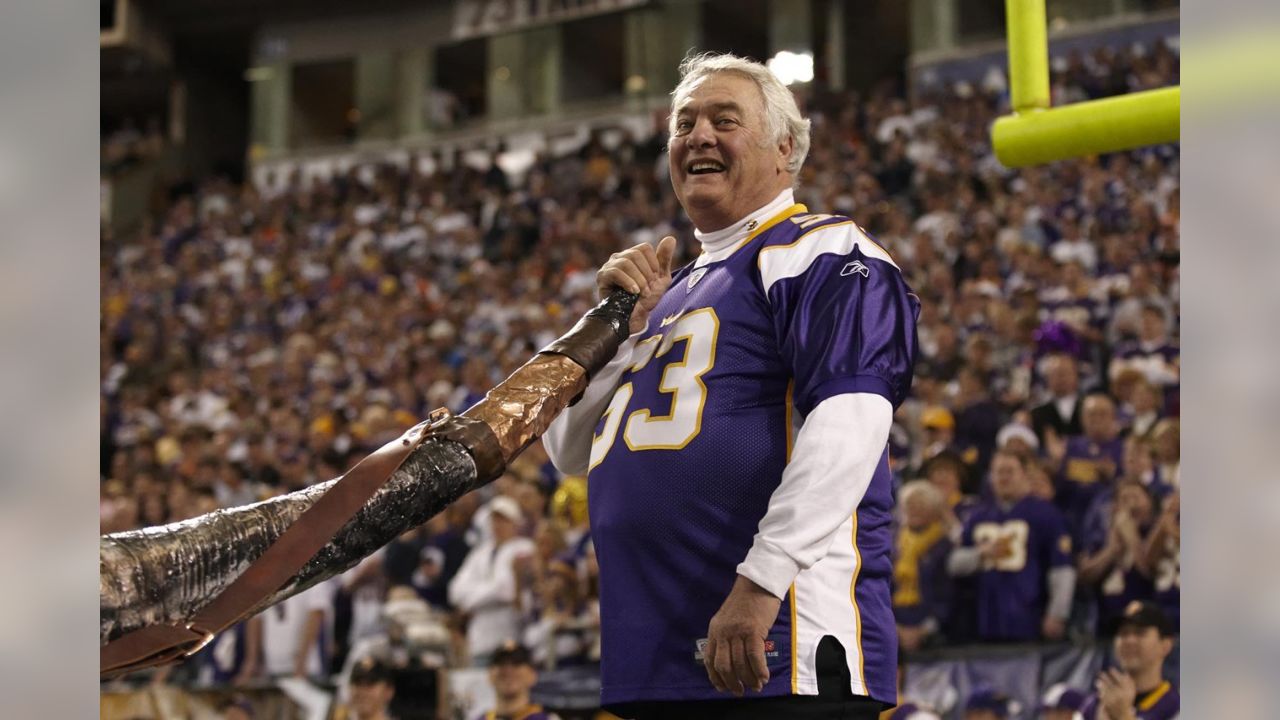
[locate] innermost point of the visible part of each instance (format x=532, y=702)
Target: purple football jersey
x=1083, y=477
x=1162, y=703
x=1012, y=590
x=695, y=440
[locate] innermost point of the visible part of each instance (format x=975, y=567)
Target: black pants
x=834, y=700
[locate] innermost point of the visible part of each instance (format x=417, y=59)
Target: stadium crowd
x=258, y=340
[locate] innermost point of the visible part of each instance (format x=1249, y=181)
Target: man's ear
x=785, y=148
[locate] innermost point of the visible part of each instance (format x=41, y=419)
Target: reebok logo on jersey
x=856, y=267
x=696, y=276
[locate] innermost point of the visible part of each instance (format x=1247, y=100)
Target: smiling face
x=724, y=162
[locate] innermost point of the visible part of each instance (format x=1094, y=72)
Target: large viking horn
x=166, y=575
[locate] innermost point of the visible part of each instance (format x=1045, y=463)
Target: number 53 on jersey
x=681, y=378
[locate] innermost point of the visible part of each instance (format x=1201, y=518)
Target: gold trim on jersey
x=795, y=209
x=1154, y=696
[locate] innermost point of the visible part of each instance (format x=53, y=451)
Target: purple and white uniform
x=744, y=431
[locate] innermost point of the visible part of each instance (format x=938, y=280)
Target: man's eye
x=724, y=122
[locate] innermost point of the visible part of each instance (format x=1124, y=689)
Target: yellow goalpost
x=1037, y=133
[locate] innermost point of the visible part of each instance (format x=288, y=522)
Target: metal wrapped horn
x=166, y=576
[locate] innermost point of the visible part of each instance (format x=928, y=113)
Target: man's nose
x=702, y=134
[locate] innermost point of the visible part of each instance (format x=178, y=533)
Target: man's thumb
x=666, y=250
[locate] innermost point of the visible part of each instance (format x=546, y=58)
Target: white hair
x=927, y=492
x=782, y=114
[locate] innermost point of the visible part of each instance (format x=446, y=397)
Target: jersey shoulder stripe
x=818, y=235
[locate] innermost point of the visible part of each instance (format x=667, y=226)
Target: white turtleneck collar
x=720, y=244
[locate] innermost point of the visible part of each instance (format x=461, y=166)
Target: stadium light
x=792, y=68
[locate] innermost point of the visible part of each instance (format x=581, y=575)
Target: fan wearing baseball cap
x=1137, y=689
x=372, y=688
x=512, y=675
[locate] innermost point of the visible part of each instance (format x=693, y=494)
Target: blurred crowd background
x=259, y=339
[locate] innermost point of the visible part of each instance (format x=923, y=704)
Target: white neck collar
x=721, y=243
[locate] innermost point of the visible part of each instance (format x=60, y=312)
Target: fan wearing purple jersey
x=736, y=447
x=1088, y=463
x=1019, y=548
x=1137, y=690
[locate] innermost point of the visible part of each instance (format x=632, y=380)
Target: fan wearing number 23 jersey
x=782, y=311
x=1031, y=538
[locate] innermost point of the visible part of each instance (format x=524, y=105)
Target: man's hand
x=642, y=270
x=1116, y=694
x=734, y=655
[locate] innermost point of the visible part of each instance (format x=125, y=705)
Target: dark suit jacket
x=1046, y=416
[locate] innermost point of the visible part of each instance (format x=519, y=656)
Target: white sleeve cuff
x=769, y=567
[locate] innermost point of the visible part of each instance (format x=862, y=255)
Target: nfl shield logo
x=696, y=276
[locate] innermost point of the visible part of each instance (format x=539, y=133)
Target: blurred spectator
x=1142, y=410
x=940, y=433
x=512, y=675
x=978, y=419
x=921, y=592
x=372, y=688
x=1166, y=440
x=1019, y=548
x=485, y=586
x=1061, y=702
x=1018, y=439
x=948, y=473
x=559, y=631
x=1136, y=688
x=1061, y=412
x=445, y=549
x=1151, y=353
x=1116, y=561
x=414, y=648
x=1161, y=556
x=989, y=705
x=1088, y=463
x=292, y=634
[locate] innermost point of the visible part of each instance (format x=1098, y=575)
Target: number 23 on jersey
x=681, y=379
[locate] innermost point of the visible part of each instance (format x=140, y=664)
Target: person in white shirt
x=293, y=633
x=485, y=586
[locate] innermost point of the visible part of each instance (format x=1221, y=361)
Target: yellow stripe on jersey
x=1154, y=697
x=853, y=597
x=793, y=210
x=790, y=405
x=795, y=634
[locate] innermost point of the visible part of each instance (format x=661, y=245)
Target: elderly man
x=740, y=491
